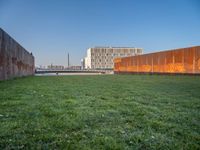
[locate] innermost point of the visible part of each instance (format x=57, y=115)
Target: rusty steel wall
x=178, y=61
x=15, y=61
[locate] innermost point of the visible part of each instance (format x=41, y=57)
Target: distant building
x=55, y=67
x=74, y=68
x=102, y=57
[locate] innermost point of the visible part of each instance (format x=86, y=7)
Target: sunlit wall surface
x=15, y=61
x=184, y=60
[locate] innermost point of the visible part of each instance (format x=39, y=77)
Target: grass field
x=100, y=112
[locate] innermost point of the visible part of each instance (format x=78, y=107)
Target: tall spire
x=68, y=59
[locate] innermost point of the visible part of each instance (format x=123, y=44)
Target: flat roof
x=114, y=47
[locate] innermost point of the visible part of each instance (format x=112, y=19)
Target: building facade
x=55, y=67
x=74, y=68
x=103, y=57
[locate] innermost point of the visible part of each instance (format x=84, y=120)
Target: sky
x=52, y=28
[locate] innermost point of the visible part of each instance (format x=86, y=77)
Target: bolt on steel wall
x=184, y=60
x=15, y=61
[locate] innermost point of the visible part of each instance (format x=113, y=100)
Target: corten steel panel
x=149, y=63
x=140, y=60
x=184, y=60
x=162, y=62
x=188, y=60
x=117, y=62
x=155, y=62
x=197, y=60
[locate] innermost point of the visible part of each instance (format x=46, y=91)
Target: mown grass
x=100, y=112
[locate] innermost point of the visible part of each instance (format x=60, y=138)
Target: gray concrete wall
x=15, y=61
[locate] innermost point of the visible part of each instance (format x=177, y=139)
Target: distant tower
x=68, y=60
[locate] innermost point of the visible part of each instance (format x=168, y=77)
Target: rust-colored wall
x=15, y=61
x=184, y=60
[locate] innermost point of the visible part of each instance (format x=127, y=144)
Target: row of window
x=112, y=55
x=97, y=66
x=117, y=50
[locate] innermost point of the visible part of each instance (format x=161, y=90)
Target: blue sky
x=51, y=28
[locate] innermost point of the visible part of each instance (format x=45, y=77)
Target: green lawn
x=100, y=112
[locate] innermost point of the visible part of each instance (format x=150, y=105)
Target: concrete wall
x=15, y=61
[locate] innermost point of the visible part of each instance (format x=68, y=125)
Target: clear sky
x=51, y=28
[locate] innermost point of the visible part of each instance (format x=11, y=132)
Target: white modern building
x=102, y=57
